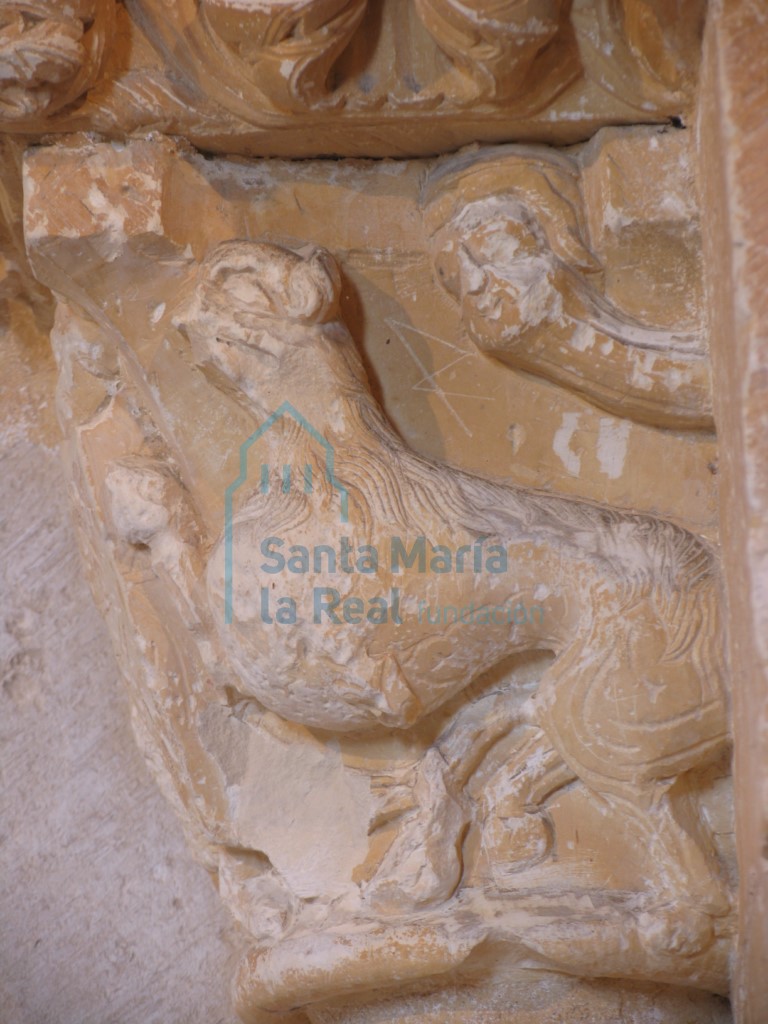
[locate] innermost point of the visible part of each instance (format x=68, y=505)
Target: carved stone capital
x=424, y=725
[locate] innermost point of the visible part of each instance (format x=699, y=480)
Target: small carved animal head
x=250, y=281
x=253, y=306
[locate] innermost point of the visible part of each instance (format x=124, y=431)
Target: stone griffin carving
x=452, y=762
x=634, y=695
x=50, y=54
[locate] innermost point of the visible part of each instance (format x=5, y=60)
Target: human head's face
x=494, y=258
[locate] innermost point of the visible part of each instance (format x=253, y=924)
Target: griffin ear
x=313, y=288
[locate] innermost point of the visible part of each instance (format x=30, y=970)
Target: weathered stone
x=469, y=677
x=396, y=484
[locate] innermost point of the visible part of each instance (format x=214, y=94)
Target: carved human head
x=505, y=233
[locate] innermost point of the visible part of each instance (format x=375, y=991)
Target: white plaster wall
x=104, y=916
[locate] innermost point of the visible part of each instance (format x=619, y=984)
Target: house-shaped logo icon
x=285, y=475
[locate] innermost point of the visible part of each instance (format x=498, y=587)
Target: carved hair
x=545, y=183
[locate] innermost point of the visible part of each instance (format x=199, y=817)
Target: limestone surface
x=415, y=715
x=419, y=487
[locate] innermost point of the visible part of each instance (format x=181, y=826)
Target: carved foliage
x=285, y=47
x=495, y=43
x=260, y=58
x=50, y=54
x=643, y=51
